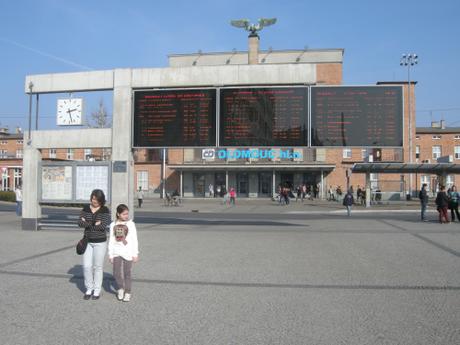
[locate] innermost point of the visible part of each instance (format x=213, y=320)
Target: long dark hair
x=99, y=195
x=121, y=208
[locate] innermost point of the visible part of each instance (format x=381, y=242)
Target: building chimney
x=443, y=124
x=253, y=51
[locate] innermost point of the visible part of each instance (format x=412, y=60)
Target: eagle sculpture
x=253, y=28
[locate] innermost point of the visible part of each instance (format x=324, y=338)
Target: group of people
x=302, y=192
x=121, y=246
x=445, y=200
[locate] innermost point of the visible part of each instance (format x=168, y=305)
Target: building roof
x=14, y=136
x=434, y=130
x=299, y=56
x=403, y=168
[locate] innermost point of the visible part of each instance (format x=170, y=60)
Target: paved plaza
x=267, y=275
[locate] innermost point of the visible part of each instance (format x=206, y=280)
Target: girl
x=123, y=251
x=95, y=218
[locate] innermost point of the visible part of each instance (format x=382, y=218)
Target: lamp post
x=409, y=60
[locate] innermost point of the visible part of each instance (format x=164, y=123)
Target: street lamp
x=409, y=60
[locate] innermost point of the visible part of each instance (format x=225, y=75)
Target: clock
x=70, y=112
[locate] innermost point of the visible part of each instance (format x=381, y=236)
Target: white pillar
x=322, y=184
x=31, y=210
x=181, y=184
x=226, y=180
x=273, y=183
x=122, y=182
x=368, y=189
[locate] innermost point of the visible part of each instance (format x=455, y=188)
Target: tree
x=100, y=117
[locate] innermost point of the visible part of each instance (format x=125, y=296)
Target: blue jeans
x=423, y=210
x=19, y=208
x=93, y=262
x=348, y=210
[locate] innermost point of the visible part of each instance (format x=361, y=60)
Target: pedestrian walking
x=211, y=190
x=453, y=203
x=18, y=193
x=123, y=251
x=442, y=202
x=359, y=194
x=232, y=196
x=348, y=201
x=140, y=197
x=423, y=196
x=94, y=218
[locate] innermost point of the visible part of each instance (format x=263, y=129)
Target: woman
x=442, y=201
x=95, y=218
x=453, y=203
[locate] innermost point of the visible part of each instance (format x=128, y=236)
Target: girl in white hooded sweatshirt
x=123, y=251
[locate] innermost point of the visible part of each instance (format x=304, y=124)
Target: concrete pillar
x=322, y=185
x=226, y=180
x=274, y=184
x=181, y=184
x=122, y=182
x=31, y=210
x=368, y=189
x=253, y=51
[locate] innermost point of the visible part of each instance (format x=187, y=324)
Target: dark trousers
x=453, y=211
x=443, y=217
x=122, y=273
x=139, y=201
x=423, y=209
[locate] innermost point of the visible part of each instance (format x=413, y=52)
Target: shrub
x=8, y=196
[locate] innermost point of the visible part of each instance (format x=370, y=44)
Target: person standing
x=123, y=251
x=140, y=197
x=442, y=202
x=232, y=196
x=95, y=218
x=211, y=190
x=348, y=201
x=453, y=203
x=18, y=193
x=423, y=196
x=359, y=192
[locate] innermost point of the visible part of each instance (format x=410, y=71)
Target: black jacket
x=423, y=196
x=348, y=199
x=95, y=233
x=442, y=200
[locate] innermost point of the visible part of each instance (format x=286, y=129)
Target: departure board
x=276, y=116
x=175, y=118
x=357, y=116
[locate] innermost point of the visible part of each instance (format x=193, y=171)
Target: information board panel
x=56, y=183
x=272, y=116
x=174, y=118
x=357, y=116
x=89, y=178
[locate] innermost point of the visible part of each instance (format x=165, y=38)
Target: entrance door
x=242, y=180
x=220, y=186
x=265, y=184
x=5, y=179
x=287, y=180
x=199, y=185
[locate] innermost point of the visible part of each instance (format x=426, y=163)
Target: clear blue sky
x=49, y=36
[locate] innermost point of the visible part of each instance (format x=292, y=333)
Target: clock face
x=70, y=111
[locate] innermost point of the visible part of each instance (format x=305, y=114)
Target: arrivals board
x=174, y=118
x=271, y=116
x=357, y=116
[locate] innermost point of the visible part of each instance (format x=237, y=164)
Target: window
x=346, y=153
x=70, y=154
x=143, y=180
x=457, y=152
x=425, y=179
x=417, y=137
x=417, y=152
x=18, y=153
x=457, y=137
x=4, y=142
x=88, y=154
x=3, y=154
x=364, y=154
x=17, y=177
x=436, y=152
x=52, y=153
x=449, y=181
x=436, y=137
x=20, y=142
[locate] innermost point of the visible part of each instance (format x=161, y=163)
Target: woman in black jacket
x=442, y=202
x=95, y=218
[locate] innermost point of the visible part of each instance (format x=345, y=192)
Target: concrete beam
x=70, y=82
x=72, y=138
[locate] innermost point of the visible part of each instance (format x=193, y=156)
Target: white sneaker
x=120, y=294
x=127, y=297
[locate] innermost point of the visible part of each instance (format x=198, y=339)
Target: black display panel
x=357, y=116
x=175, y=118
x=276, y=116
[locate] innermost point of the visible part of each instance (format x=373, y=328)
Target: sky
x=51, y=36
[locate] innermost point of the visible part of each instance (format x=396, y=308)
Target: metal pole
x=163, y=193
x=36, y=112
x=31, y=85
x=273, y=183
x=181, y=184
x=410, y=125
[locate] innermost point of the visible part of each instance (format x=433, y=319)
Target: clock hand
x=70, y=114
